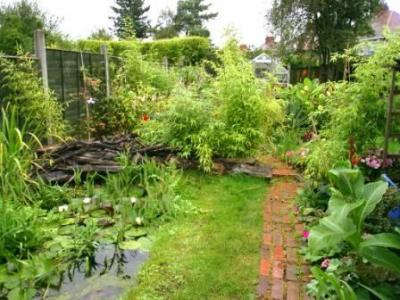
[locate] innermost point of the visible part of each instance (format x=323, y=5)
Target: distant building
x=264, y=63
x=384, y=19
x=269, y=43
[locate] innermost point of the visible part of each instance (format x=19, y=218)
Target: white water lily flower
x=133, y=200
x=87, y=200
x=63, y=208
x=139, y=220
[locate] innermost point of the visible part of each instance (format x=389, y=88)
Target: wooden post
x=40, y=52
x=104, y=51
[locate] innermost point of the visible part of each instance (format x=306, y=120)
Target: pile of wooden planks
x=59, y=163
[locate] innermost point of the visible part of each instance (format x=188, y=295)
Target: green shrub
x=21, y=87
x=21, y=231
x=188, y=50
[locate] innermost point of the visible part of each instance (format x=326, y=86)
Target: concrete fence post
x=104, y=51
x=40, y=52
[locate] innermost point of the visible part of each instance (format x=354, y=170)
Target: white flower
x=133, y=200
x=91, y=101
x=87, y=200
x=139, y=220
x=63, y=208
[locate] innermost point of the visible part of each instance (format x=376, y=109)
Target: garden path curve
x=283, y=273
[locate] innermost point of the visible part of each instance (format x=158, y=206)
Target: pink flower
x=325, y=263
x=306, y=234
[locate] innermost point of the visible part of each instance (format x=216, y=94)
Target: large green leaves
x=372, y=195
x=382, y=257
x=348, y=181
x=375, y=249
x=329, y=233
x=387, y=240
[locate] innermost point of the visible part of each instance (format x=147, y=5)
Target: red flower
x=306, y=234
x=146, y=118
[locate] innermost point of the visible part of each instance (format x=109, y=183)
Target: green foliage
x=101, y=34
x=15, y=159
x=116, y=114
x=130, y=18
x=21, y=88
x=189, y=50
x=165, y=27
x=322, y=25
x=230, y=116
x=191, y=16
x=18, y=22
x=331, y=287
x=351, y=202
x=21, y=231
x=152, y=186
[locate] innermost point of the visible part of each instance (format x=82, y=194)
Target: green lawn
x=213, y=254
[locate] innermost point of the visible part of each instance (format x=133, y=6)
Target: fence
x=69, y=76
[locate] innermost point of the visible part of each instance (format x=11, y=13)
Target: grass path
x=213, y=254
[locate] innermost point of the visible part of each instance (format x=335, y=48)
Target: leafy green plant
x=329, y=286
x=15, y=158
x=21, y=87
x=350, y=204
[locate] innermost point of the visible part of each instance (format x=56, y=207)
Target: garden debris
x=59, y=163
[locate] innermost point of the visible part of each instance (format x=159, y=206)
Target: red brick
x=268, y=227
x=291, y=272
x=266, y=252
x=265, y=267
x=277, y=218
x=299, y=229
x=279, y=253
x=278, y=270
x=267, y=239
x=277, y=238
x=291, y=254
x=293, y=291
x=286, y=219
x=263, y=287
x=277, y=289
x=290, y=241
x=268, y=207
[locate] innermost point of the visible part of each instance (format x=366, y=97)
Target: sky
x=79, y=18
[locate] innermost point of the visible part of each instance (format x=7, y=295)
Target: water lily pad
x=67, y=221
x=99, y=213
x=66, y=230
x=129, y=245
x=135, y=233
x=145, y=243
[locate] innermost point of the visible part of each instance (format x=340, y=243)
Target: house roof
x=385, y=18
x=262, y=59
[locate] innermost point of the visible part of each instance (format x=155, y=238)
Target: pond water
x=106, y=276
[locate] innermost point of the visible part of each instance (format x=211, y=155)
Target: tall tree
x=166, y=27
x=191, y=16
x=18, y=22
x=325, y=26
x=130, y=16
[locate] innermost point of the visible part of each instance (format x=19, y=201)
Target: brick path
x=283, y=274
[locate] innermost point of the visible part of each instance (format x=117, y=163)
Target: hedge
x=189, y=50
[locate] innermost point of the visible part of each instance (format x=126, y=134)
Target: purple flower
x=306, y=234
